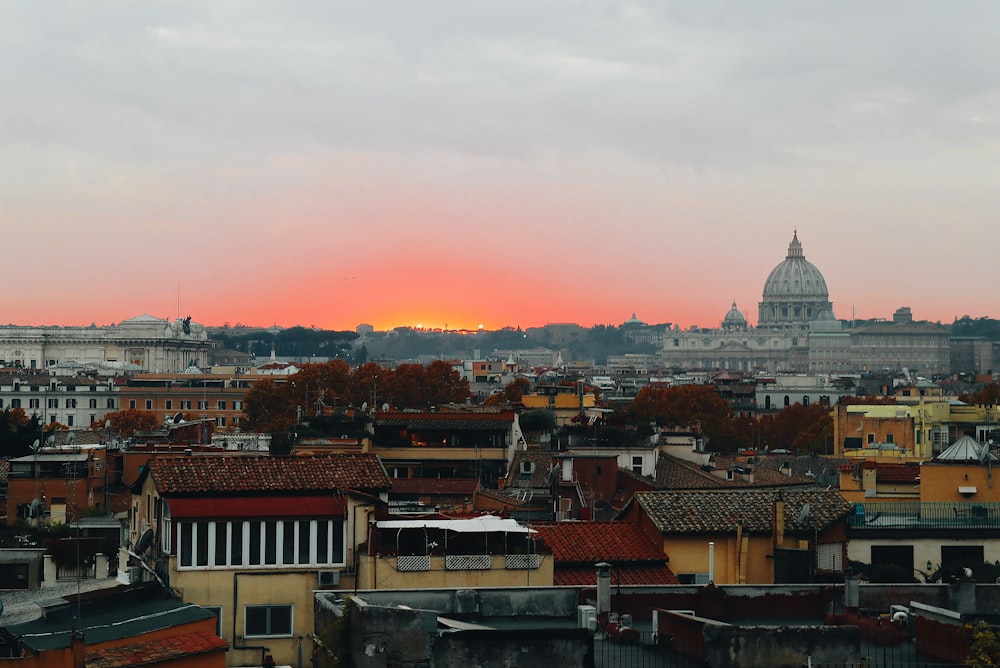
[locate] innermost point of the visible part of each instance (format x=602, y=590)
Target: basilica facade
x=797, y=332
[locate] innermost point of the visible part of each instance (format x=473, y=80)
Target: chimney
x=603, y=589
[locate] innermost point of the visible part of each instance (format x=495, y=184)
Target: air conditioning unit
x=328, y=578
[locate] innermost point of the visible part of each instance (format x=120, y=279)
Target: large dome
x=795, y=291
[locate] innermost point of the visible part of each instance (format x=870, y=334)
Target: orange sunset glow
x=309, y=166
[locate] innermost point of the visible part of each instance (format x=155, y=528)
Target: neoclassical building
x=797, y=332
x=144, y=342
x=795, y=294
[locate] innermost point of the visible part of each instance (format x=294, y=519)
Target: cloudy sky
x=505, y=163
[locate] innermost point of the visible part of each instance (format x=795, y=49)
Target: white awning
x=484, y=524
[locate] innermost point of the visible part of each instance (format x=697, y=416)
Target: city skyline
x=456, y=164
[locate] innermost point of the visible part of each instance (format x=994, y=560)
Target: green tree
x=18, y=432
x=984, y=645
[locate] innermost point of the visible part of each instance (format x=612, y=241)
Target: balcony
x=930, y=515
x=467, y=562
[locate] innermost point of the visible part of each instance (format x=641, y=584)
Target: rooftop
x=235, y=474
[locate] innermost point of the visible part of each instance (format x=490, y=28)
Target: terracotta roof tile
x=629, y=575
x=591, y=542
x=721, y=511
x=459, y=486
x=154, y=652
x=200, y=474
x=890, y=472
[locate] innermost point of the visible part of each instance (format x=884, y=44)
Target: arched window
x=805, y=399
x=786, y=400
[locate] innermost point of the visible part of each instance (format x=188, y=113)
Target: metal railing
x=926, y=515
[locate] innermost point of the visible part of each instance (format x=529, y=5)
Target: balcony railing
x=926, y=515
x=468, y=562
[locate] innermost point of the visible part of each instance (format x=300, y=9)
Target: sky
x=461, y=163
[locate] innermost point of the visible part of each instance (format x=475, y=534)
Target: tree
x=511, y=393
x=989, y=395
x=687, y=405
x=267, y=409
x=444, y=385
x=17, y=432
x=800, y=428
x=130, y=420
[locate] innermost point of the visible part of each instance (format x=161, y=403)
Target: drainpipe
x=711, y=562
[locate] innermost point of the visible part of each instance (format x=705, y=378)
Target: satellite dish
x=34, y=507
x=36, y=445
x=71, y=438
x=144, y=541
x=385, y=407
x=364, y=406
x=107, y=424
x=804, y=514
x=178, y=417
x=51, y=440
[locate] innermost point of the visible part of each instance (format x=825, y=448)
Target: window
x=131, y=403
x=71, y=403
x=637, y=464
x=871, y=438
x=900, y=556
x=93, y=403
x=185, y=405
x=111, y=403
x=220, y=421
x=53, y=403
x=888, y=438
x=149, y=404
x=962, y=556
x=237, y=405
x=69, y=420
x=260, y=543
x=15, y=403
x=222, y=405
x=169, y=405
x=267, y=621
x=33, y=402
x=203, y=405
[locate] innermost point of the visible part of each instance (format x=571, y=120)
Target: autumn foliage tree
x=511, y=393
x=274, y=407
x=686, y=405
x=269, y=407
x=798, y=428
x=130, y=420
x=989, y=395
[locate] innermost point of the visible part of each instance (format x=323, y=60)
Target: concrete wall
x=501, y=602
x=382, y=636
x=552, y=648
x=781, y=647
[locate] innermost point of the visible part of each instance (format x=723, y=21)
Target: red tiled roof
x=888, y=472
x=625, y=575
x=721, y=511
x=591, y=542
x=213, y=474
x=458, y=486
x=154, y=652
